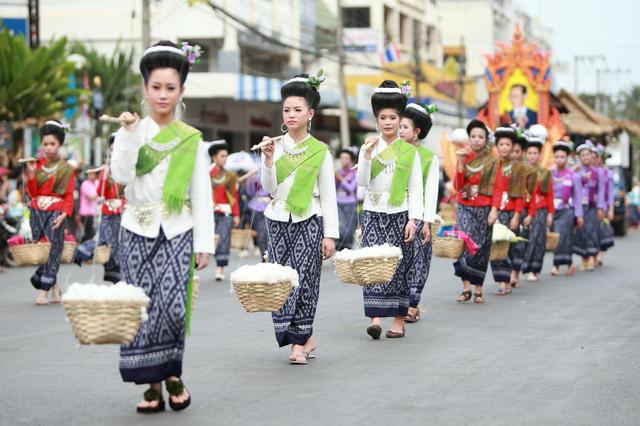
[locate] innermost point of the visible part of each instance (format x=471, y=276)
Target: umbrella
x=241, y=161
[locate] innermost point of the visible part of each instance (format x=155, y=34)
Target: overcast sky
x=592, y=27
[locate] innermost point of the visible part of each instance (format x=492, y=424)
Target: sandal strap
x=151, y=395
x=174, y=387
x=476, y=295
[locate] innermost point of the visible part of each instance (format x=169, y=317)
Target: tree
x=120, y=84
x=33, y=83
x=628, y=105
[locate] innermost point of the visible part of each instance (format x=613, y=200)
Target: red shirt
x=63, y=203
x=479, y=200
x=220, y=196
x=110, y=190
x=539, y=200
x=513, y=204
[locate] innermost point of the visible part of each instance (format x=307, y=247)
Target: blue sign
x=17, y=26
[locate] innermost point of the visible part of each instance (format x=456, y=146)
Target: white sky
x=592, y=27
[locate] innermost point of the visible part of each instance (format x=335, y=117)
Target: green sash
x=309, y=163
x=182, y=140
x=403, y=154
x=426, y=157
x=63, y=172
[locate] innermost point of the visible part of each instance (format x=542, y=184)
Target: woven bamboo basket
x=374, y=270
x=105, y=321
x=499, y=250
x=101, y=255
x=30, y=254
x=262, y=296
x=344, y=271
x=553, y=238
x=242, y=239
x=195, y=292
x=448, y=247
x=68, y=249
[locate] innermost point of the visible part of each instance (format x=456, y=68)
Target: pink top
x=88, y=189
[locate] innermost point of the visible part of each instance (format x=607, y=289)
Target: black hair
x=53, y=129
x=475, y=123
x=506, y=133
x=380, y=101
x=561, y=147
x=164, y=59
x=112, y=138
x=348, y=151
x=535, y=143
x=522, y=86
x=420, y=120
x=301, y=89
x=521, y=140
x=217, y=147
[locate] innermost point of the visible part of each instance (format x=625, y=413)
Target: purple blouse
x=259, y=197
x=567, y=187
x=593, y=183
x=346, y=189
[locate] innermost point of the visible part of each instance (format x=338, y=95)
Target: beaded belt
x=224, y=209
x=43, y=202
x=144, y=214
x=113, y=204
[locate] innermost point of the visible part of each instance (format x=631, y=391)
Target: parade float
x=518, y=78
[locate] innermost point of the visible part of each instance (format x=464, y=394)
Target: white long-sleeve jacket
x=323, y=202
x=145, y=192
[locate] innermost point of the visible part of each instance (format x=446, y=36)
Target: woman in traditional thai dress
x=50, y=183
x=112, y=195
x=542, y=202
x=302, y=218
x=586, y=243
x=478, y=182
x=516, y=250
x=566, y=193
x=511, y=204
x=414, y=127
x=167, y=224
x=389, y=169
x=346, y=188
x=226, y=208
x=605, y=230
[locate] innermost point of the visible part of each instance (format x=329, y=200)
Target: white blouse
x=377, y=190
x=323, y=201
x=431, y=190
x=144, y=212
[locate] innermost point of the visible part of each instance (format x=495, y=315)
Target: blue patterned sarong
x=41, y=223
x=563, y=224
x=392, y=299
x=420, y=266
x=161, y=267
x=223, y=229
x=298, y=245
x=473, y=221
x=536, y=246
x=502, y=268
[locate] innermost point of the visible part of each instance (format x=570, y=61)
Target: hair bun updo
x=53, y=127
x=171, y=57
x=301, y=89
x=389, y=98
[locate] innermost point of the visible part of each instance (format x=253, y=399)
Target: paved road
x=564, y=351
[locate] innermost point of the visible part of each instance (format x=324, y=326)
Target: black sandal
x=466, y=296
x=151, y=395
x=477, y=296
x=374, y=331
x=175, y=388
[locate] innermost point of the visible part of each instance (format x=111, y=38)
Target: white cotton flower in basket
x=384, y=250
x=264, y=273
x=263, y=287
x=101, y=292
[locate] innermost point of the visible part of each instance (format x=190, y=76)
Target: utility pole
x=462, y=72
x=417, y=70
x=583, y=58
x=33, y=7
x=345, y=139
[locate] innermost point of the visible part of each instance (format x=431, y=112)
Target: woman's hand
x=600, y=215
x=130, y=121
x=580, y=222
x=328, y=248
x=30, y=168
x=409, y=231
x=493, y=216
x=236, y=221
x=369, y=145
x=267, y=151
x=610, y=214
x=59, y=221
x=202, y=261
x=426, y=232
x=515, y=222
x=527, y=221
x=549, y=220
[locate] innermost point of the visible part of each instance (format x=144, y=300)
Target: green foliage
x=33, y=83
x=121, y=86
